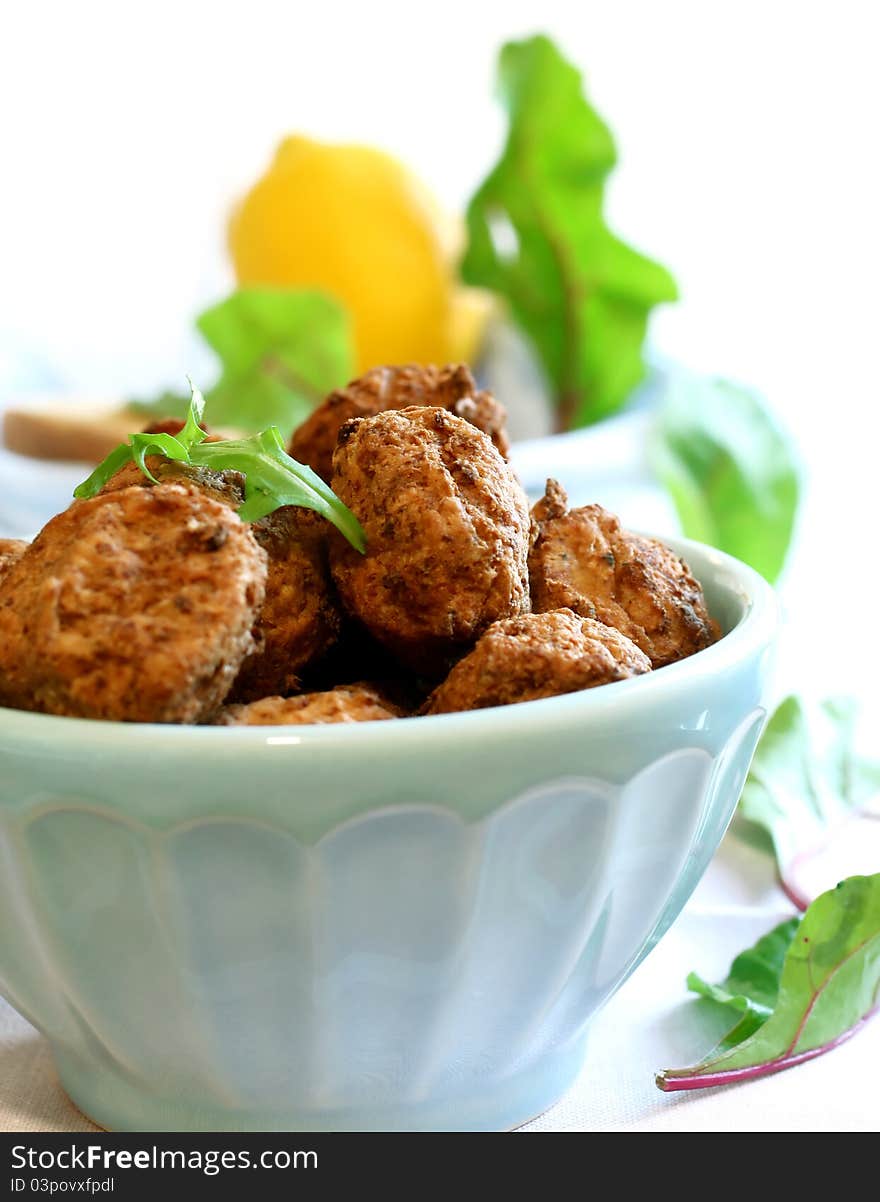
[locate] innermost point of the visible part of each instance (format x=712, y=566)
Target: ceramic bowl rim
x=754, y=631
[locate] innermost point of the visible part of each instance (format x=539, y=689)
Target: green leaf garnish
x=751, y=988
x=828, y=987
x=143, y=445
x=272, y=478
x=730, y=469
x=192, y=431
x=809, y=776
x=537, y=236
x=280, y=350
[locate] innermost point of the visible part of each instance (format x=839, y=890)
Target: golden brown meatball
x=447, y=534
x=135, y=605
x=11, y=550
x=345, y=703
x=300, y=617
x=583, y=560
x=534, y=656
x=385, y=388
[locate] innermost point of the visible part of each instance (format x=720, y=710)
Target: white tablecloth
x=650, y=1024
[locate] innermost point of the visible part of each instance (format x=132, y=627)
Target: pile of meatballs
x=154, y=602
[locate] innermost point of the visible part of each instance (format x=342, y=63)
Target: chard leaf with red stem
x=538, y=237
x=828, y=989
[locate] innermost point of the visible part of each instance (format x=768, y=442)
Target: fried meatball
x=136, y=605
x=345, y=703
x=300, y=617
x=385, y=388
x=447, y=533
x=537, y=655
x=11, y=550
x=582, y=559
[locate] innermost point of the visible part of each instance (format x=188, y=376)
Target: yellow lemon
x=354, y=222
x=472, y=309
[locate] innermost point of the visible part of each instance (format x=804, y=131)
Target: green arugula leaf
x=105, y=471
x=192, y=432
x=538, y=237
x=730, y=469
x=828, y=988
x=281, y=351
x=143, y=445
x=272, y=478
x=808, y=777
x=751, y=987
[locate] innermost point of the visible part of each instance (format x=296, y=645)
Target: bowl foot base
x=112, y=1101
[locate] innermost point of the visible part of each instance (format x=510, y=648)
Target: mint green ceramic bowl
x=395, y=925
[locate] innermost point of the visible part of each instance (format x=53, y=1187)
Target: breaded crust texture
x=11, y=550
x=447, y=534
x=534, y=656
x=345, y=703
x=582, y=559
x=135, y=606
x=452, y=387
x=300, y=616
